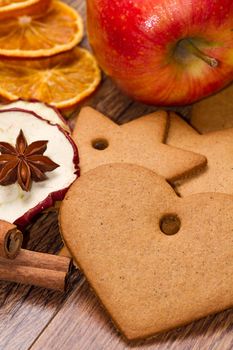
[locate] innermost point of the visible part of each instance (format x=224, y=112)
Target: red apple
x=164, y=52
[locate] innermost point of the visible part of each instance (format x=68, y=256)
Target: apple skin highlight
x=142, y=46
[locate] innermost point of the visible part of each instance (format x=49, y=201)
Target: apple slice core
x=18, y=206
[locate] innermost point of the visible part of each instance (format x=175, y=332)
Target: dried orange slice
x=10, y=8
x=59, y=29
x=62, y=80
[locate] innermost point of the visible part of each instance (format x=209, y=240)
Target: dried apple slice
x=17, y=205
x=43, y=110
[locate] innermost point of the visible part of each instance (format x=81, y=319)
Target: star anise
x=24, y=163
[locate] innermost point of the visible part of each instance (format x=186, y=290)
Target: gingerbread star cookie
x=216, y=146
x=155, y=260
x=215, y=112
x=141, y=141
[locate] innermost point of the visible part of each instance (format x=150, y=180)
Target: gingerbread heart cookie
x=141, y=141
x=155, y=260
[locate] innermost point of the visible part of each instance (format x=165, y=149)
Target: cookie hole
x=170, y=224
x=100, y=144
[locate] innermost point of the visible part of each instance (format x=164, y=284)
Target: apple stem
x=211, y=61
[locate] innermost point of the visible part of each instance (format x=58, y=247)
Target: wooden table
x=38, y=319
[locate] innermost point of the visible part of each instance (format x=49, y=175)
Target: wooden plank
x=83, y=324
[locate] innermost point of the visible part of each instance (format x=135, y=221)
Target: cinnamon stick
x=10, y=240
x=39, y=260
x=39, y=269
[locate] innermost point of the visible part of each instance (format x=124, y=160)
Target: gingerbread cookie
x=155, y=260
x=216, y=146
x=141, y=141
x=214, y=113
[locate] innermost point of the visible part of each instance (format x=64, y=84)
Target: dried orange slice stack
x=39, y=57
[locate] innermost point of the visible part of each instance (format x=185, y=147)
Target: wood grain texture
x=34, y=318
x=88, y=327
